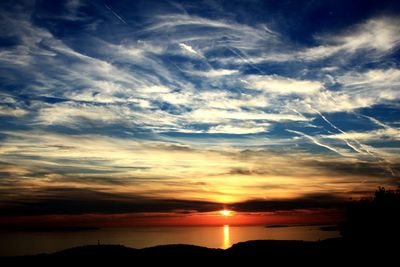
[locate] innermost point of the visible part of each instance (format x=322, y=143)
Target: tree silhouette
x=375, y=219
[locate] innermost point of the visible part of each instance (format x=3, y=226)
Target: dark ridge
x=327, y=252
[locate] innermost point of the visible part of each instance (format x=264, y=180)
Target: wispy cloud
x=214, y=73
x=375, y=135
x=249, y=128
x=155, y=103
x=12, y=111
x=377, y=35
x=282, y=85
x=188, y=48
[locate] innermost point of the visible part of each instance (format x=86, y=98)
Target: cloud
x=206, y=115
x=387, y=134
x=214, y=73
x=15, y=112
x=109, y=94
x=372, y=171
x=72, y=114
x=312, y=201
x=234, y=33
x=162, y=170
x=333, y=101
x=318, y=142
x=193, y=106
x=70, y=200
x=282, y=85
x=188, y=48
x=11, y=106
x=375, y=86
x=362, y=149
x=354, y=90
x=224, y=100
x=134, y=52
x=246, y=128
x=377, y=35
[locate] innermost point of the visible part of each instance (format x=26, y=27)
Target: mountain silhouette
x=327, y=252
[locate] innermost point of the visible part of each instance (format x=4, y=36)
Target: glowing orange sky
x=171, y=219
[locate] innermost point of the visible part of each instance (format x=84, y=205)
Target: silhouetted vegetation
x=373, y=219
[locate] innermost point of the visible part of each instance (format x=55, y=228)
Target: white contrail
x=358, y=147
x=382, y=161
x=338, y=129
x=298, y=113
x=316, y=141
x=116, y=15
x=246, y=60
x=377, y=122
x=385, y=126
x=343, y=132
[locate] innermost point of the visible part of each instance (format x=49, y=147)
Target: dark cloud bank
x=75, y=201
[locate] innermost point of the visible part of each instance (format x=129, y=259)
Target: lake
x=22, y=243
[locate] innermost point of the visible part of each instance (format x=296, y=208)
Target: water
x=23, y=243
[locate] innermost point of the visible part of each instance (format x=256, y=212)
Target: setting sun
x=226, y=212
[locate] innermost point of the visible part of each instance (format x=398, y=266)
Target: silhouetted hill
x=92, y=252
x=324, y=253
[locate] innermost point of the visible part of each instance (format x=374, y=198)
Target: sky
x=165, y=112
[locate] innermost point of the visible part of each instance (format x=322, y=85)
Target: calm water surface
x=20, y=243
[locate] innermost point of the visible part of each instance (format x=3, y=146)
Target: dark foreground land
x=371, y=234
x=332, y=252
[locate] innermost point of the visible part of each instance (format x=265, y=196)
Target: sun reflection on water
x=227, y=243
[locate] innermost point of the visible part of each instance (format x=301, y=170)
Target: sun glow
x=226, y=212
